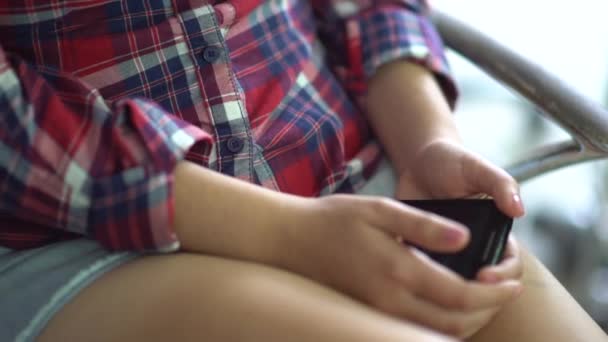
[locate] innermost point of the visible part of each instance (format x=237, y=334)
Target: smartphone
x=489, y=231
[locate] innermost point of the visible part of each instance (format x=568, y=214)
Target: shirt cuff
x=135, y=208
x=385, y=34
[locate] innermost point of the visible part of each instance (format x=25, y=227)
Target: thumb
x=483, y=177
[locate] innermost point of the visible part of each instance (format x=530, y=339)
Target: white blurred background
x=567, y=210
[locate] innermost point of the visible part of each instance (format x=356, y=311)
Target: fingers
x=433, y=304
x=419, y=290
x=511, y=267
x=455, y=323
x=487, y=178
x=400, y=280
x=444, y=287
x=435, y=283
x=426, y=278
x=418, y=227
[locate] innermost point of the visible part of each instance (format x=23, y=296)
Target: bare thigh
x=544, y=312
x=187, y=297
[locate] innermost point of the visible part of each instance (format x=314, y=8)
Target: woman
x=123, y=122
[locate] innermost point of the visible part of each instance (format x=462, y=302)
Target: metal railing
x=583, y=119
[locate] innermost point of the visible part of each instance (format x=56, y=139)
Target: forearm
x=219, y=215
x=407, y=110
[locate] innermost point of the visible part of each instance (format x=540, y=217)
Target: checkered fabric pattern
x=99, y=100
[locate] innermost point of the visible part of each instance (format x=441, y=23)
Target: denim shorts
x=35, y=284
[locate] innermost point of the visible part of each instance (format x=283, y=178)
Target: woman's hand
x=349, y=243
x=444, y=169
x=511, y=266
x=411, y=118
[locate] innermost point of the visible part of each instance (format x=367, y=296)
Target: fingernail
x=519, y=203
x=452, y=235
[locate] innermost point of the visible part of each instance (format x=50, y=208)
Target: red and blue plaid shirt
x=100, y=99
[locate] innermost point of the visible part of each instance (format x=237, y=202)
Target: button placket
x=228, y=115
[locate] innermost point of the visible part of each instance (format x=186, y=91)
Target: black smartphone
x=489, y=230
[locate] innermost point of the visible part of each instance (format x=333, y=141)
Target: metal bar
x=585, y=120
x=551, y=157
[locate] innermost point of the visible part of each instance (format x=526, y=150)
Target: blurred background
x=566, y=224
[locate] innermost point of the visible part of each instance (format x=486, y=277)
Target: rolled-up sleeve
x=379, y=32
x=70, y=162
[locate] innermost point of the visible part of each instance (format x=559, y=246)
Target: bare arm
x=413, y=121
x=220, y=215
x=407, y=110
x=323, y=238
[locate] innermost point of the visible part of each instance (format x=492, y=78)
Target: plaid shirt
x=99, y=100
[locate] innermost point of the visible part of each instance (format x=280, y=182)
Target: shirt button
x=235, y=145
x=212, y=53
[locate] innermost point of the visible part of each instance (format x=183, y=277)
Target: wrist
x=287, y=217
x=404, y=163
x=293, y=217
x=218, y=215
